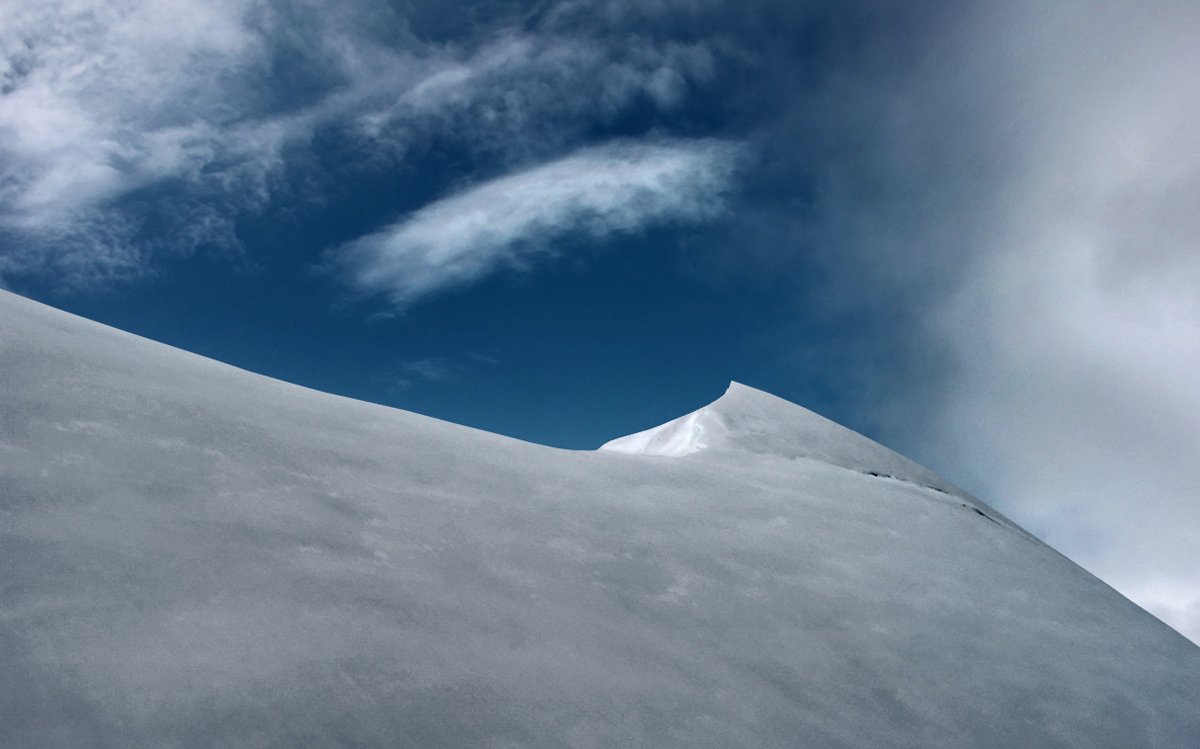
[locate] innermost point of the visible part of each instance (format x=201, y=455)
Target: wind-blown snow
x=193, y=555
x=745, y=420
x=677, y=437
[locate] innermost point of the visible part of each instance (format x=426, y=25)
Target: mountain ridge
x=198, y=555
x=748, y=420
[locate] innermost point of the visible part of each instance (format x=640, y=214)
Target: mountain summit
x=745, y=420
x=193, y=555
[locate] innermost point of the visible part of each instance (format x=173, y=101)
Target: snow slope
x=192, y=555
x=745, y=420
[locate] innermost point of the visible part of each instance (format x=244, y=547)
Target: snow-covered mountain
x=193, y=555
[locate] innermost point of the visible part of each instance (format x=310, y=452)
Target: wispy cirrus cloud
x=512, y=220
x=522, y=87
x=197, y=108
x=101, y=99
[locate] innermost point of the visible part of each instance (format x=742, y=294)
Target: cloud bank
x=1011, y=192
x=1078, y=330
x=511, y=220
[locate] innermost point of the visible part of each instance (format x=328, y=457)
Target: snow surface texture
x=193, y=555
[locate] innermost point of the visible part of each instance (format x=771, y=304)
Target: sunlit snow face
x=968, y=229
x=197, y=554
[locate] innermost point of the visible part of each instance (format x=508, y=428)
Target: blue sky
x=968, y=231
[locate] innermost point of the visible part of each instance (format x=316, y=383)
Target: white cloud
x=1022, y=179
x=101, y=97
x=520, y=92
x=509, y=221
x=100, y=100
x=1078, y=329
